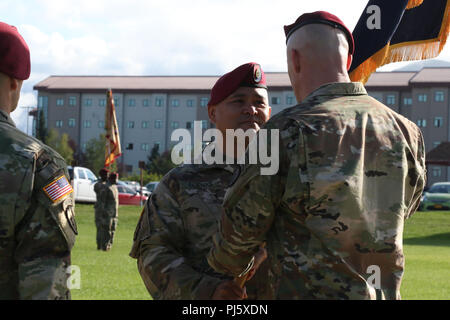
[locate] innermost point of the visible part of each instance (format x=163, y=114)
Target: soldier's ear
x=349, y=61
x=295, y=57
x=212, y=113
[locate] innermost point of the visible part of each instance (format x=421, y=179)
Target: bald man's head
x=315, y=53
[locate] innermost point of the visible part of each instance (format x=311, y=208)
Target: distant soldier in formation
x=37, y=219
x=99, y=188
x=351, y=171
x=110, y=211
x=174, y=233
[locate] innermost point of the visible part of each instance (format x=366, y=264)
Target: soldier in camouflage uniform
x=109, y=212
x=37, y=226
x=351, y=171
x=174, y=233
x=99, y=188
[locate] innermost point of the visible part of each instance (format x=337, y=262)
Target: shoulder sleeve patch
x=58, y=189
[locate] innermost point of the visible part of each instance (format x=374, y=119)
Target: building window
x=439, y=96
x=175, y=103
x=145, y=147
x=289, y=100
x=175, y=125
x=86, y=123
x=157, y=144
x=407, y=101
x=390, y=99
x=130, y=125
x=423, y=97
x=59, y=123
x=71, y=123
x=276, y=100
x=43, y=102
x=438, y=122
x=437, y=172
x=158, y=124
x=72, y=101
x=83, y=147
x=159, y=102
x=87, y=102
x=145, y=103
x=436, y=143
x=131, y=103
x=102, y=102
x=145, y=124
x=204, y=124
x=129, y=168
x=190, y=103
x=188, y=125
x=101, y=124
x=203, y=102
x=130, y=146
x=116, y=102
x=422, y=123
x=60, y=102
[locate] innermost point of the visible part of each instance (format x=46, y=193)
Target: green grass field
x=113, y=275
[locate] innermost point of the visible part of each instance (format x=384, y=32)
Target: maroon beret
x=324, y=18
x=247, y=75
x=14, y=53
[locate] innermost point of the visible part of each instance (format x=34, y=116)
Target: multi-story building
x=150, y=108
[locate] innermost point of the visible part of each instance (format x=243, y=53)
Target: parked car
x=151, y=186
x=136, y=187
x=437, y=197
x=83, y=180
x=128, y=196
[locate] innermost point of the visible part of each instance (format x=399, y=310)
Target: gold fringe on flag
x=407, y=51
x=413, y=4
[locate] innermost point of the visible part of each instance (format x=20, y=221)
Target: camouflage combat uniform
x=174, y=234
x=110, y=215
x=351, y=171
x=102, y=233
x=37, y=232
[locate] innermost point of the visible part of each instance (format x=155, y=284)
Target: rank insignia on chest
x=58, y=189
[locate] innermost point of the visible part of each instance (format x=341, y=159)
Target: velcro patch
x=58, y=189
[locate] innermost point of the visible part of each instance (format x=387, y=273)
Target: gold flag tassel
x=407, y=51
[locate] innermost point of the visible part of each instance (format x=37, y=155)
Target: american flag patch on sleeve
x=58, y=189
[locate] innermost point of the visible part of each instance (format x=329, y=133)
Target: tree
x=95, y=154
x=159, y=164
x=60, y=145
x=41, y=130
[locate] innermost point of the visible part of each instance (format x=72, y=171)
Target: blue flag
x=400, y=30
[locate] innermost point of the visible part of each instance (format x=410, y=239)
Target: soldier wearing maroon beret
x=37, y=225
x=174, y=233
x=351, y=171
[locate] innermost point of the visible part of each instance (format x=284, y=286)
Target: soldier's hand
x=260, y=256
x=229, y=290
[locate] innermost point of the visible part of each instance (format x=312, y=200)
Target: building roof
x=390, y=79
x=432, y=75
x=205, y=83
x=439, y=155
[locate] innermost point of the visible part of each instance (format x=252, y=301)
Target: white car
x=83, y=181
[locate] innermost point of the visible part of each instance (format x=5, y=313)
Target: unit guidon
x=58, y=189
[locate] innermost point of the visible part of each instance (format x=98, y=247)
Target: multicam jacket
x=37, y=225
x=174, y=234
x=351, y=171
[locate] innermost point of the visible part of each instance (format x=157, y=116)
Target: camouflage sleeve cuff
x=206, y=288
x=230, y=265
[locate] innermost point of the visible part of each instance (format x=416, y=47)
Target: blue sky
x=197, y=37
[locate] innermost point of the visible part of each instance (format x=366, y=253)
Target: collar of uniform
x=4, y=117
x=338, y=89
